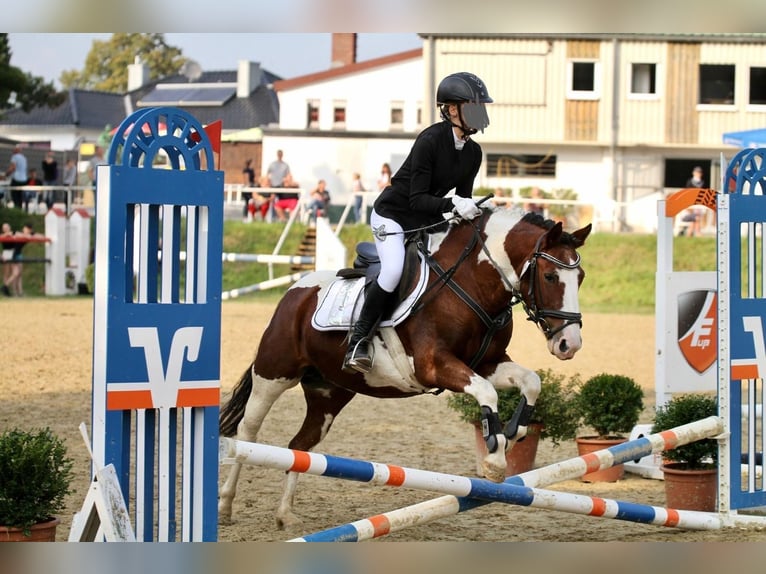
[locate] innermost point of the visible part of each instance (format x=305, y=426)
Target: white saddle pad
x=337, y=310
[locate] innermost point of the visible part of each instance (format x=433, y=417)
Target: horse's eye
x=551, y=277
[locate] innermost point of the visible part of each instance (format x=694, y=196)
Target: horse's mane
x=540, y=221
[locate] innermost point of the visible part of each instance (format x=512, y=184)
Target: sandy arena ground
x=46, y=381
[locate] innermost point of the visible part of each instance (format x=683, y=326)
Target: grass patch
x=620, y=269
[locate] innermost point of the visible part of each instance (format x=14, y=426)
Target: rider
x=443, y=157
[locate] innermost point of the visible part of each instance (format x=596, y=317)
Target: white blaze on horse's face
x=568, y=341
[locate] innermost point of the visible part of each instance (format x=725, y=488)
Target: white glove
x=465, y=207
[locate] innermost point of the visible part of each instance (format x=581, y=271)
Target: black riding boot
x=360, y=355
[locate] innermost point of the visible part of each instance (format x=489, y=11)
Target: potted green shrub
x=35, y=478
x=610, y=405
x=690, y=470
x=555, y=418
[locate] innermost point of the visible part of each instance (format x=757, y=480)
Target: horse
x=453, y=337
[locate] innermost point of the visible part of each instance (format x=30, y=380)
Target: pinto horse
x=453, y=337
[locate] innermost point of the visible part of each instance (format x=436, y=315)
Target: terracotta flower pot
x=521, y=458
x=690, y=489
x=587, y=445
x=41, y=532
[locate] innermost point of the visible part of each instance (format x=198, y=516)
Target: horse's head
x=553, y=278
x=539, y=264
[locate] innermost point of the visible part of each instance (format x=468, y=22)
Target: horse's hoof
x=225, y=520
x=288, y=521
x=493, y=473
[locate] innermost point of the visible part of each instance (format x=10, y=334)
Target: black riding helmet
x=467, y=89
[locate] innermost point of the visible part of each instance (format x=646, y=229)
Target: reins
x=534, y=313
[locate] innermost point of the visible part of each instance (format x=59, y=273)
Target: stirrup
x=353, y=363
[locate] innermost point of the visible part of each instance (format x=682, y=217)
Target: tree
x=106, y=65
x=22, y=89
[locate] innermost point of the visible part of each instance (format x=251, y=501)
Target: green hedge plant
x=684, y=409
x=610, y=404
x=554, y=409
x=35, y=477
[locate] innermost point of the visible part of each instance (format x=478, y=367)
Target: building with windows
x=620, y=119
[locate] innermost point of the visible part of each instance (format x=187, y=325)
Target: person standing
x=50, y=177
x=443, y=157
x=385, y=177
x=249, y=173
x=7, y=256
x=278, y=171
x=17, y=171
x=69, y=179
x=357, y=188
x=13, y=284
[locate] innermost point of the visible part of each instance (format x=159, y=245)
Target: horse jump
x=521, y=490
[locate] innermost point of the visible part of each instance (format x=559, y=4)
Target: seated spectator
x=284, y=204
x=319, y=200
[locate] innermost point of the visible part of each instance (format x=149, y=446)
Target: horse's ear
x=553, y=235
x=581, y=235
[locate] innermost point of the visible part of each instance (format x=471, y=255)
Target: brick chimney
x=343, y=50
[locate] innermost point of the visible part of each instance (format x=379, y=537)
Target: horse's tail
x=233, y=411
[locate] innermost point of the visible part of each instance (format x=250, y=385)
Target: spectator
x=17, y=171
x=249, y=208
x=534, y=207
x=13, y=285
x=697, y=178
x=284, y=204
x=69, y=179
x=7, y=256
x=278, y=172
x=691, y=218
x=357, y=188
x=385, y=177
x=50, y=177
x=319, y=200
x=30, y=195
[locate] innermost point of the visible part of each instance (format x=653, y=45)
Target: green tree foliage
x=106, y=65
x=19, y=88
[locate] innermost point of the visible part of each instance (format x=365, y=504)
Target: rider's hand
x=465, y=207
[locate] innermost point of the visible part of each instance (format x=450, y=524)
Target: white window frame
x=594, y=94
x=657, y=82
x=732, y=107
x=753, y=107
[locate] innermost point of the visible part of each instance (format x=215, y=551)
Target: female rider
x=442, y=158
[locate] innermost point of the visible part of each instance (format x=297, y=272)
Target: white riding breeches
x=390, y=250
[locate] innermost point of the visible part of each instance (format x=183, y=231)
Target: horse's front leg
x=508, y=374
x=447, y=372
x=494, y=464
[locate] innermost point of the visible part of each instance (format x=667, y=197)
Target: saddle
x=343, y=299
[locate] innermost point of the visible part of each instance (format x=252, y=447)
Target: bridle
x=536, y=314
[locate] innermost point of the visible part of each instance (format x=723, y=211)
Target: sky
x=286, y=54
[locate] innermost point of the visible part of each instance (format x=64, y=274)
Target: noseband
x=538, y=314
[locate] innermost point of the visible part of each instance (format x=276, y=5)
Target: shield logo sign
x=697, y=328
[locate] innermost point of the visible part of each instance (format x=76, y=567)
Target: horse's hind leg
x=263, y=395
x=323, y=403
